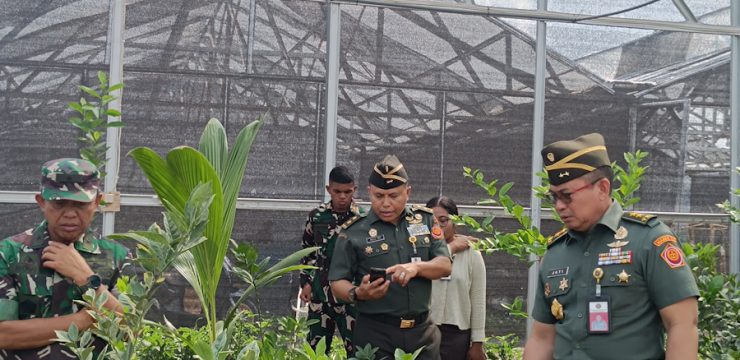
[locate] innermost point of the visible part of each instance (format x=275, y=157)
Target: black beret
x=570, y=159
x=388, y=173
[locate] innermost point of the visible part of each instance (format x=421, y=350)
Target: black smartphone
x=377, y=273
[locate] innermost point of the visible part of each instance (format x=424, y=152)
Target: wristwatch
x=352, y=295
x=93, y=282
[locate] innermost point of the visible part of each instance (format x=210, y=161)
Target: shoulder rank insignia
x=351, y=221
x=638, y=217
x=416, y=207
x=555, y=237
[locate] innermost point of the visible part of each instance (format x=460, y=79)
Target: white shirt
x=461, y=300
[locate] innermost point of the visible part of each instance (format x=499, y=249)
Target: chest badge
x=624, y=277
x=557, y=309
x=384, y=247
x=373, y=233
x=563, y=284
x=368, y=250
x=547, y=289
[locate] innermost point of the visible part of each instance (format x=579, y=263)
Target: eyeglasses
x=554, y=196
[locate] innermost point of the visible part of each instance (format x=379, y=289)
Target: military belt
x=402, y=322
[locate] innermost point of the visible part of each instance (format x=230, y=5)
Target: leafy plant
x=158, y=250
x=259, y=274
x=504, y=347
x=527, y=240
x=183, y=169
x=630, y=179
x=402, y=355
x=91, y=119
x=365, y=353
x=516, y=309
x=727, y=206
x=719, y=303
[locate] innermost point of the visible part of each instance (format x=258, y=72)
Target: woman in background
x=459, y=301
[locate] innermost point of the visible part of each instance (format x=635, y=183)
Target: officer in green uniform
x=321, y=230
x=611, y=283
x=408, y=245
x=44, y=270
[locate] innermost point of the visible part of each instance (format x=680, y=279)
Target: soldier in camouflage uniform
x=613, y=284
x=321, y=230
x=44, y=270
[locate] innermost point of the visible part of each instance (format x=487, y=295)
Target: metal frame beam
x=538, y=131
x=684, y=10
x=332, y=88
x=113, y=134
x=735, y=137
x=554, y=16
x=151, y=200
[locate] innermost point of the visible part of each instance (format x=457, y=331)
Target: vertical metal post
x=735, y=137
x=538, y=131
x=332, y=88
x=250, y=34
x=113, y=134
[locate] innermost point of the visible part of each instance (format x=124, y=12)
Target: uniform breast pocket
x=34, y=295
x=378, y=254
x=423, y=250
x=557, y=286
x=621, y=287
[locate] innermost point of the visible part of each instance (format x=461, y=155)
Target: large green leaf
x=213, y=144
x=168, y=186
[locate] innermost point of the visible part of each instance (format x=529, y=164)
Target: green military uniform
x=635, y=259
x=399, y=319
x=330, y=313
x=644, y=275
x=27, y=289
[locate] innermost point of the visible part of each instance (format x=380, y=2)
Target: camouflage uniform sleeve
x=669, y=278
x=306, y=276
x=8, y=288
x=344, y=262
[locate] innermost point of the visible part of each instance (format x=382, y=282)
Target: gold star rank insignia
x=368, y=250
x=623, y=276
x=563, y=284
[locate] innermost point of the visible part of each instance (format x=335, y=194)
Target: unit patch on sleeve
x=673, y=256
x=664, y=239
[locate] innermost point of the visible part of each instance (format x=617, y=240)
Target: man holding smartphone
x=406, y=241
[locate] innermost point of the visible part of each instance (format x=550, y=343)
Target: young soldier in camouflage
x=612, y=284
x=44, y=270
x=321, y=230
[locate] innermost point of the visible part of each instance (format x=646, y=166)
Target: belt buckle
x=407, y=323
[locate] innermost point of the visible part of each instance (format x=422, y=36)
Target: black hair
x=341, y=175
x=443, y=202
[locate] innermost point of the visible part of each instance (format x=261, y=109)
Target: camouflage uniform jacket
x=28, y=290
x=321, y=230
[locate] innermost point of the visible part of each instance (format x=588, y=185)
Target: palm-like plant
x=174, y=177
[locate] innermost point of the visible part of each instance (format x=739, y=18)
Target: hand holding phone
x=377, y=273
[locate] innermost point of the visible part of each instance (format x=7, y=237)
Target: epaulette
x=639, y=218
x=556, y=237
x=351, y=221
x=416, y=207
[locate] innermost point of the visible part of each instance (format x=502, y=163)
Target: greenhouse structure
x=444, y=85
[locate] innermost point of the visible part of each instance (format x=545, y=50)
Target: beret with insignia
x=570, y=159
x=388, y=173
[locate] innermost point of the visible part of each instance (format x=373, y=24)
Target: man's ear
x=40, y=200
x=327, y=188
x=408, y=190
x=604, y=185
